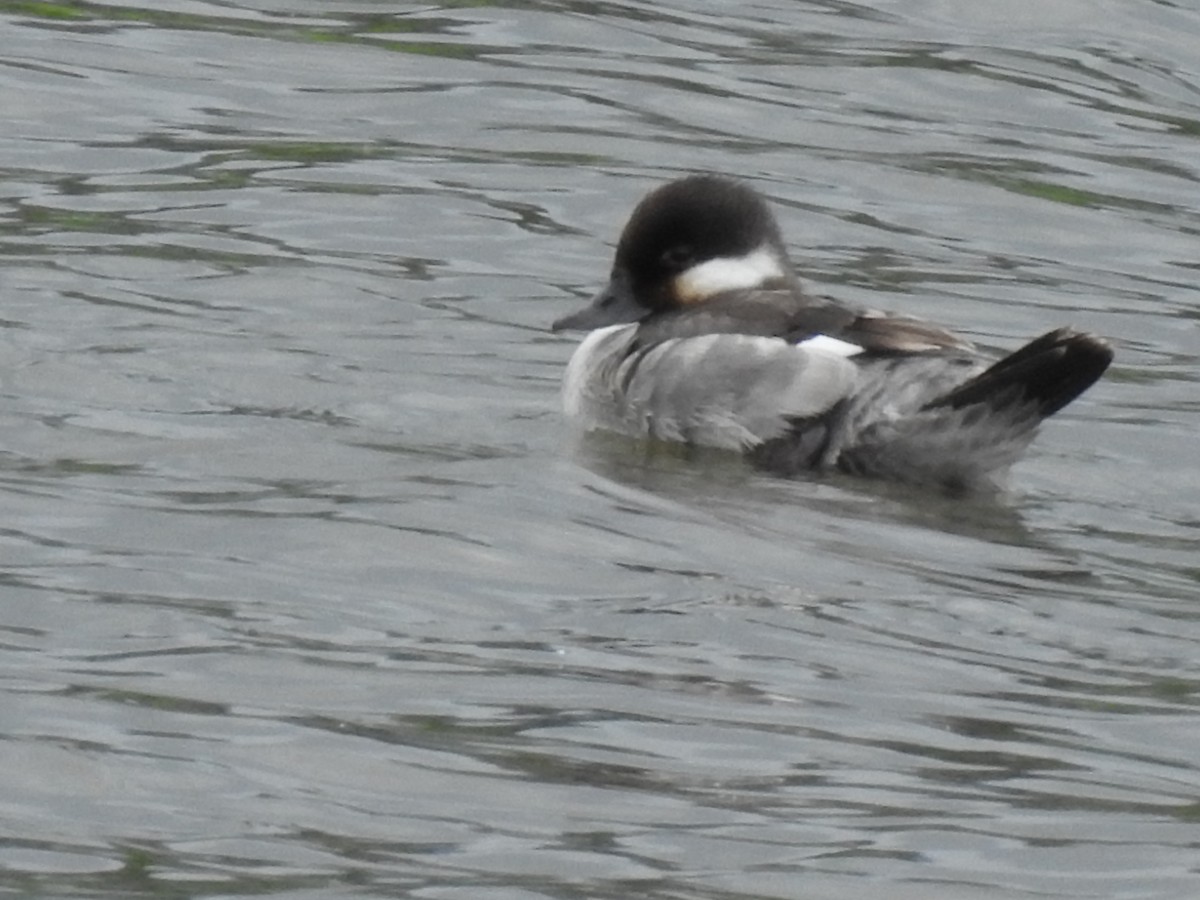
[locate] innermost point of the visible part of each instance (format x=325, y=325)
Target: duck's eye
x=678, y=257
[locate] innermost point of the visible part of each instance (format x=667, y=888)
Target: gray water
x=307, y=591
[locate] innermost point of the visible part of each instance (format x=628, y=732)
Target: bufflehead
x=704, y=336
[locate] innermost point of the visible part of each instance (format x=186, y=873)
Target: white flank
x=727, y=273
x=823, y=343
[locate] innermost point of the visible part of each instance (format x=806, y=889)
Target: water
x=307, y=591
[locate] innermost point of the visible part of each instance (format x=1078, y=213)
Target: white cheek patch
x=727, y=273
x=823, y=343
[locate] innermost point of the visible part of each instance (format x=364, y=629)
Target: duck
x=704, y=336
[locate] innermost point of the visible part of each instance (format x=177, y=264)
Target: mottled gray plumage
x=731, y=391
x=705, y=337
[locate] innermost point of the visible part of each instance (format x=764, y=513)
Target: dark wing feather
x=880, y=333
x=795, y=317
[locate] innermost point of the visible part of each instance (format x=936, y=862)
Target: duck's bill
x=614, y=305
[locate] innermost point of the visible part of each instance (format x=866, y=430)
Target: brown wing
x=795, y=316
x=880, y=333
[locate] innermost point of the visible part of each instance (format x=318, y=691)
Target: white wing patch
x=823, y=343
x=727, y=273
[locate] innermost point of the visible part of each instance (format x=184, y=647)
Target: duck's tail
x=1046, y=374
x=966, y=437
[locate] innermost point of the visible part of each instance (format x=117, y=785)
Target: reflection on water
x=307, y=592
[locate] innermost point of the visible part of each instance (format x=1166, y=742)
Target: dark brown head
x=687, y=242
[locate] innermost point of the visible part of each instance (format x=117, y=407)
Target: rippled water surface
x=305, y=590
